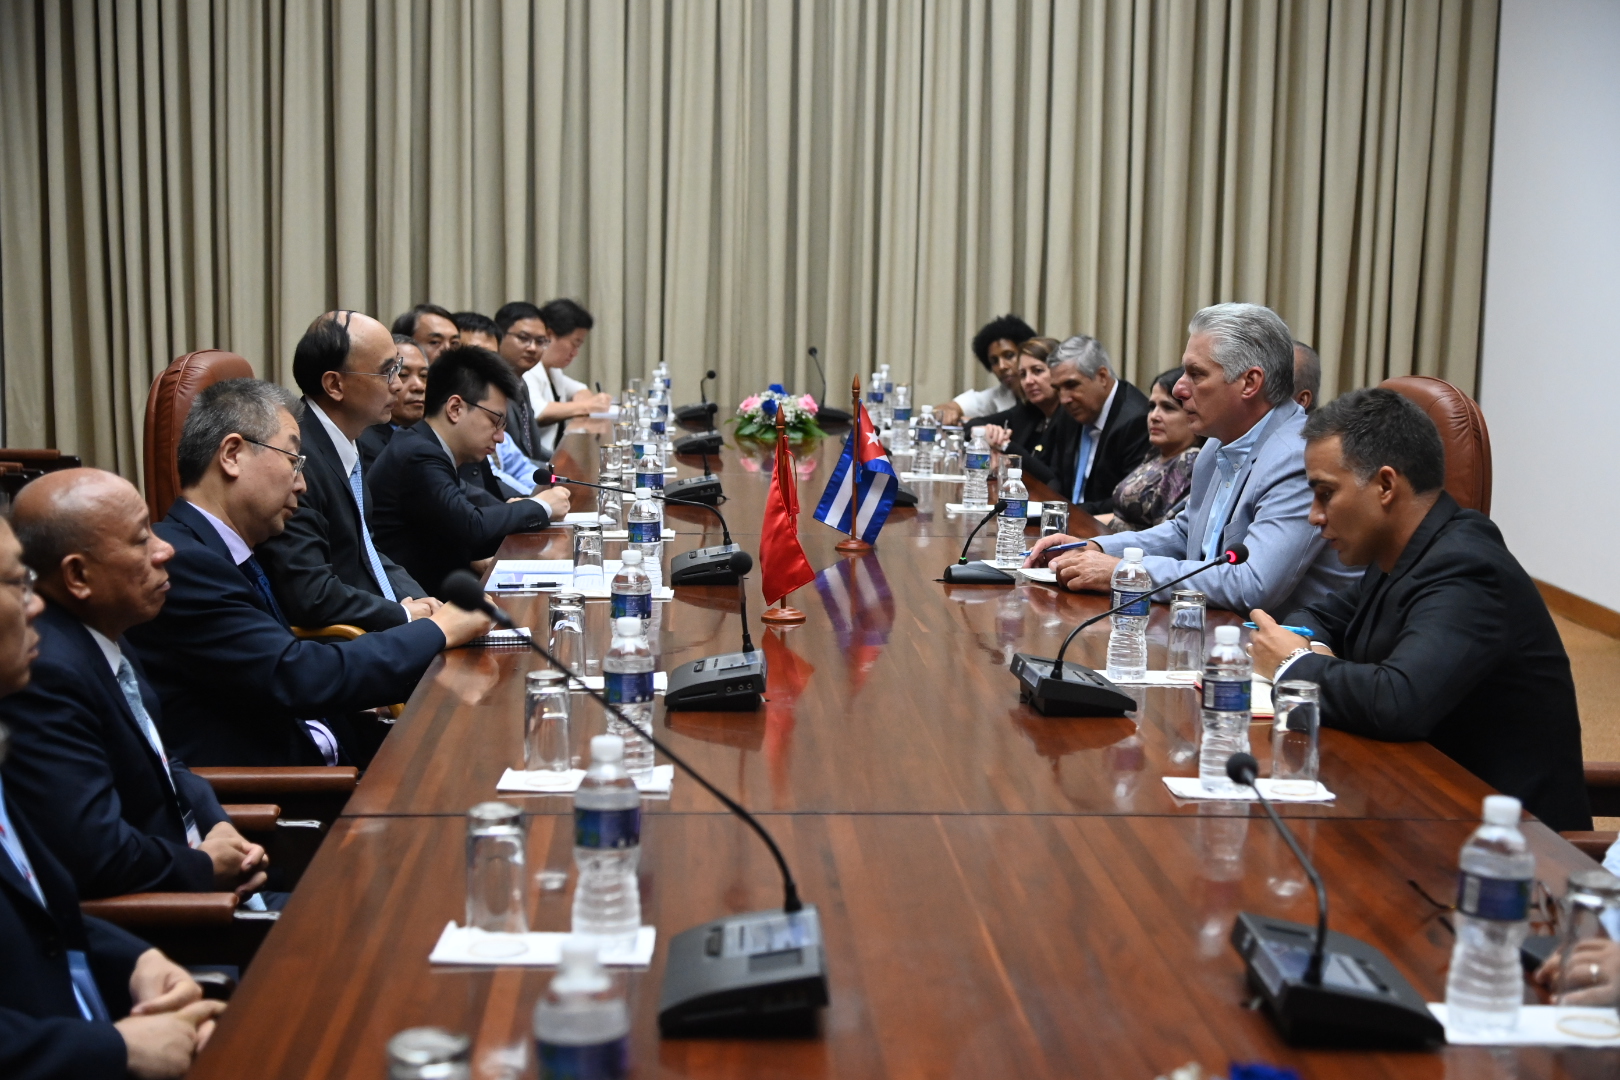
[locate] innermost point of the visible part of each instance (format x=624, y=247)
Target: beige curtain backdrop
x=727, y=182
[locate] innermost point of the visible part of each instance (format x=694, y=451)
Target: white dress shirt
x=349, y=454
x=543, y=391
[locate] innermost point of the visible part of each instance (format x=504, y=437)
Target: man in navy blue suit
x=63, y=976
x=88, y=766
x=236, y=686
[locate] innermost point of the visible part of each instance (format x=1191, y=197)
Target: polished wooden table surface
x=1003, y=894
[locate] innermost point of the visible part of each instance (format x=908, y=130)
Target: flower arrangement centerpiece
x=756, y=415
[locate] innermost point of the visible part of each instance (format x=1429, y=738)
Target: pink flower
x=749, y=404
x=808, y=404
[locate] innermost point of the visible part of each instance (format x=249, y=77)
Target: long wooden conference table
x=1002, y=894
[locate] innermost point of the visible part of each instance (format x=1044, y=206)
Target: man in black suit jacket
x=1108, y=437
x=407, y=408
x=88, y=765
x=323, y=566
x=63, y=977
x=422, y=513
x=237, y=687
x=1445, y=637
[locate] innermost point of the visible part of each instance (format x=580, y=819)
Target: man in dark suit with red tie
x=237, y=687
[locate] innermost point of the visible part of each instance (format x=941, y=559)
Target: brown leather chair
x=1462, y=430
x=167, y=406
x=1603, y=791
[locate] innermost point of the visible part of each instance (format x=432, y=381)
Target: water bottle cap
x=627, y=626
x=580, y=971
x=1226, y=635
x=631, y=557
x=1131, y=554
x=1015, y=474
x=643, y=492
x=608, y=749
x=928, y=410
x=1502, y=810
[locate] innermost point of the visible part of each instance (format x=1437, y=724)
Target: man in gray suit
x=1248, y=484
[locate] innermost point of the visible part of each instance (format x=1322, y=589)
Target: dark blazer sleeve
x=478, y=527
x=59, y=773
x=1123, y=446
x=59, y=1048
x=1330, y=616
x=112, y=952
x=299, y=562
x=1454, y=630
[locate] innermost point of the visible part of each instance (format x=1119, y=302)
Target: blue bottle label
x=1139, y=602
x=658, y=425
x=654, y=480
x=925, y=434
x=902, y=414
x=632, y=605
x=875, y=396
x=645, y=532
x=976, y=460
x=1226, y=695
x=629, y=687
x=1017, y=509
x=607, y=828
x=1498, y=899
x=603, y=1061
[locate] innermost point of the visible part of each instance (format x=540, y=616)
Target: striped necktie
x=357, y=488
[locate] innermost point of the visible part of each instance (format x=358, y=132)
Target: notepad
x=542, y=574
x=465, y=945
x=517, y=637
x=1191, y=789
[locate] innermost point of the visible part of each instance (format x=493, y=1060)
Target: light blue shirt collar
x=1230, y=458
x=240, y=552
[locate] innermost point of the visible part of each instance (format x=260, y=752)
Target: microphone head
x=710, y=374
x=463, y=590
x=1237, y=554
x=1242, y=769
x=741, y=562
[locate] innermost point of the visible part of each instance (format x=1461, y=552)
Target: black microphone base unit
x=734, y=682
x=704, y=566
x=704, y=442
x=1080, y=692
x=698, y=489
x=977, y=573
x=1362, y=1002
x=763, y=974
x=825, y=416
x=696, y=414
x=904, y=496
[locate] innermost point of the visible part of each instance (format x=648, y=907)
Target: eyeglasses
x=24, y=581
x=539, y=341
x=390, y=371
x=500, y=418
x=297, y=459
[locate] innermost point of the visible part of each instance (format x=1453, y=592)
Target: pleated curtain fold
x=726, y=183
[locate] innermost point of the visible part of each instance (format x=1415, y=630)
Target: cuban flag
x=878, y=483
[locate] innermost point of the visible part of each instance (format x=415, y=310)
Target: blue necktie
x=256, y=578
x=143, y=719
x=356, y=485
x=1080, y=461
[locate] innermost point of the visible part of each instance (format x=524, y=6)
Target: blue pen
x=1302, y=631
x=1061, y=548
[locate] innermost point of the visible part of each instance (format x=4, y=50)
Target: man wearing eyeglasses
x=236, y=685
x=422, y=514
x=325, y=567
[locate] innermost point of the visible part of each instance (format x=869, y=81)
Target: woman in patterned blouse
x=1157, y=489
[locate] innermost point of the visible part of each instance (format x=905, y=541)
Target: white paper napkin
x=660, y=681
x=624, y=534
x=1543, y=1025
x=538, y=782
x=949, y=478
x=1031, y=510
x=1190, y=789
x=466, y=945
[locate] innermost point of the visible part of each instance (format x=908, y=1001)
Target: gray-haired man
x=1248, y=485
x=1109, y=436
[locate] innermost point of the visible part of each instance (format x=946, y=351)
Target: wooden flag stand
x=779, y=615
x=853, y=544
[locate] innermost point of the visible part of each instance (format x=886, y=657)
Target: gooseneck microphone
x=699, y=414
x=699, y=985
x=823, y=413
x=700, y=566
x=1348, y=995
x=965, y=573
x=1051, y=691
x=1244, y=769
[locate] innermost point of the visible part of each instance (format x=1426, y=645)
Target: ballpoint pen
x=1302, y=631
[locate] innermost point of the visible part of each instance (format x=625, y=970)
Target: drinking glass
x=588, y=573
x=624, y=428
x=1587, y=908
x=1294, y=753
x=567, y=629
x=429, y=1053
x=1054, y=517
x=1187, y=610
x=495, y=874
x=951, y=461
x=1008, y=461
x=545, y=723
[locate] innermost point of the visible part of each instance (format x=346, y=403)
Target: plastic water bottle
x=627, y=679
x=632, y=590
x=645, y=531
x=927, y=432
x=976, y=492
x=650, y=469
x=875, y=398
x=661, y=377
x=1485, y=985
x=1010, y=528
x=582, y=1024
x=1127, y=644
x=900, y=426
x=607, y=843
x=1228, y=672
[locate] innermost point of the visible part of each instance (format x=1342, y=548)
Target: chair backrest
x=167, y=407
x=1462, y=430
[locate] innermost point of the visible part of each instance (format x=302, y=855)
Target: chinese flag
x=782, y=565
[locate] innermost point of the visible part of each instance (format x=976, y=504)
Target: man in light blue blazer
x=1248, y=484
